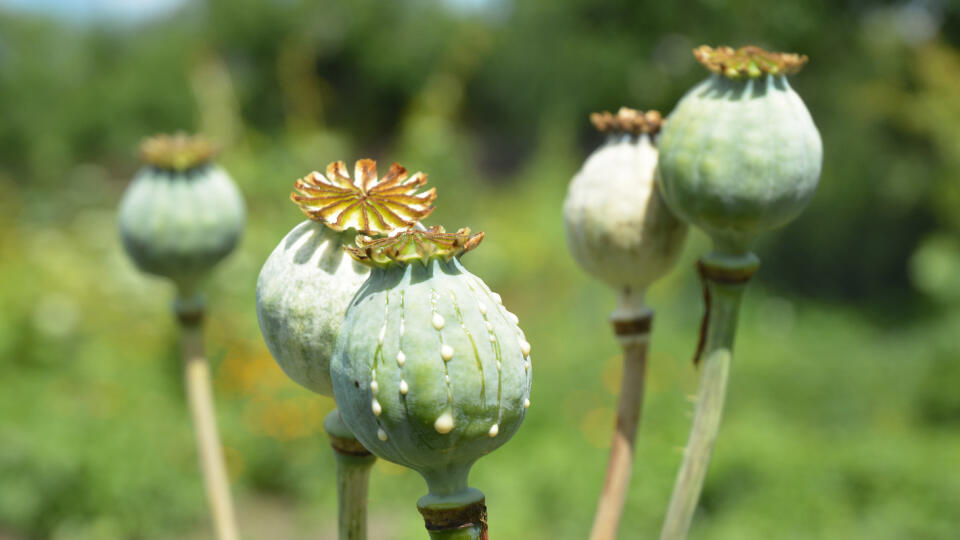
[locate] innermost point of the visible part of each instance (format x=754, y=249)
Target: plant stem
x=724, y=281
x=353, y=478
x=456, y=521
x=200, y=398
x=472, y=532
x=634, y=335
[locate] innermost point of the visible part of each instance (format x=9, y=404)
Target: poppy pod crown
x=430, y=370
x=307, y=282
x=740, y=154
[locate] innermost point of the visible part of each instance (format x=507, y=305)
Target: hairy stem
x=634, y=339
x=200, y=398
x=724, y=289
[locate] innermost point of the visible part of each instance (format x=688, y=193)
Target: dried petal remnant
x=414, y=245
x=178, y=152
x=748, y=62
x=627, y=120
x=366, y=203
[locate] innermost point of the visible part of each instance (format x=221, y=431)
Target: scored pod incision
x=430, y=371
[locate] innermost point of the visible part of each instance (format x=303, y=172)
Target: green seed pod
x=182, y=213
x=740, y=154
x=430, y=370
x=618, y=227
x=307, y=282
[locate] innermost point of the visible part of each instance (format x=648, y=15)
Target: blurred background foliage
x=844, y=409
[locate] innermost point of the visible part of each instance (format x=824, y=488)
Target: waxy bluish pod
x=618, y=227
x=740, y=154
x=307, y=282
x=430, y=370
x=182, y=213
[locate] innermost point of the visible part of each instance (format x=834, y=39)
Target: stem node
x=456, y=521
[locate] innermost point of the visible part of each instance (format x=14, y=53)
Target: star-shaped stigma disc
x=414, y=245
x=371, y=205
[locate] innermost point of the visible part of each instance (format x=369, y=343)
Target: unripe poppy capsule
x=430, y=369
x=618, y=227
x=740, y=155
x=182, y=213
x=307, y=282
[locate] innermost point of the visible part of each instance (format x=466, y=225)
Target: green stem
x=725, y=281
x=200, y=398
x=472, y=532
x=353, y=478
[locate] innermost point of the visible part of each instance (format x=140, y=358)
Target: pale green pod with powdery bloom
x=740, y=155
x=618, y=227
x=182, y=213
x=302, y=295
x=430, y=370
x=307, y=282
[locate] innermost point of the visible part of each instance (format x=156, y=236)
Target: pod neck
x=188, y=173
x=748, y=88
x=416, y=271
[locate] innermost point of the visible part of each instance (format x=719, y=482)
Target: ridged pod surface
x=306, y=284
x=740, y=154
x=302, y=295
x=430, y=370
x=178, y=219
x=618, y=227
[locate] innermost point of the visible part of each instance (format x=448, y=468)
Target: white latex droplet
x=444, y=423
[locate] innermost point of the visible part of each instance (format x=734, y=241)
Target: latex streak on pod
x=431, y=371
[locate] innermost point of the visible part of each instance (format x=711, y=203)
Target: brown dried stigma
x=627, y=120
x=748, y=62
x=178, y=152
x=370, y=205
x=414, y=245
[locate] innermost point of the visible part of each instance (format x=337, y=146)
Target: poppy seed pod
x=430, y=370
x=618, y=227
x=740, y=154
x=182, y=213
x=307, y=282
